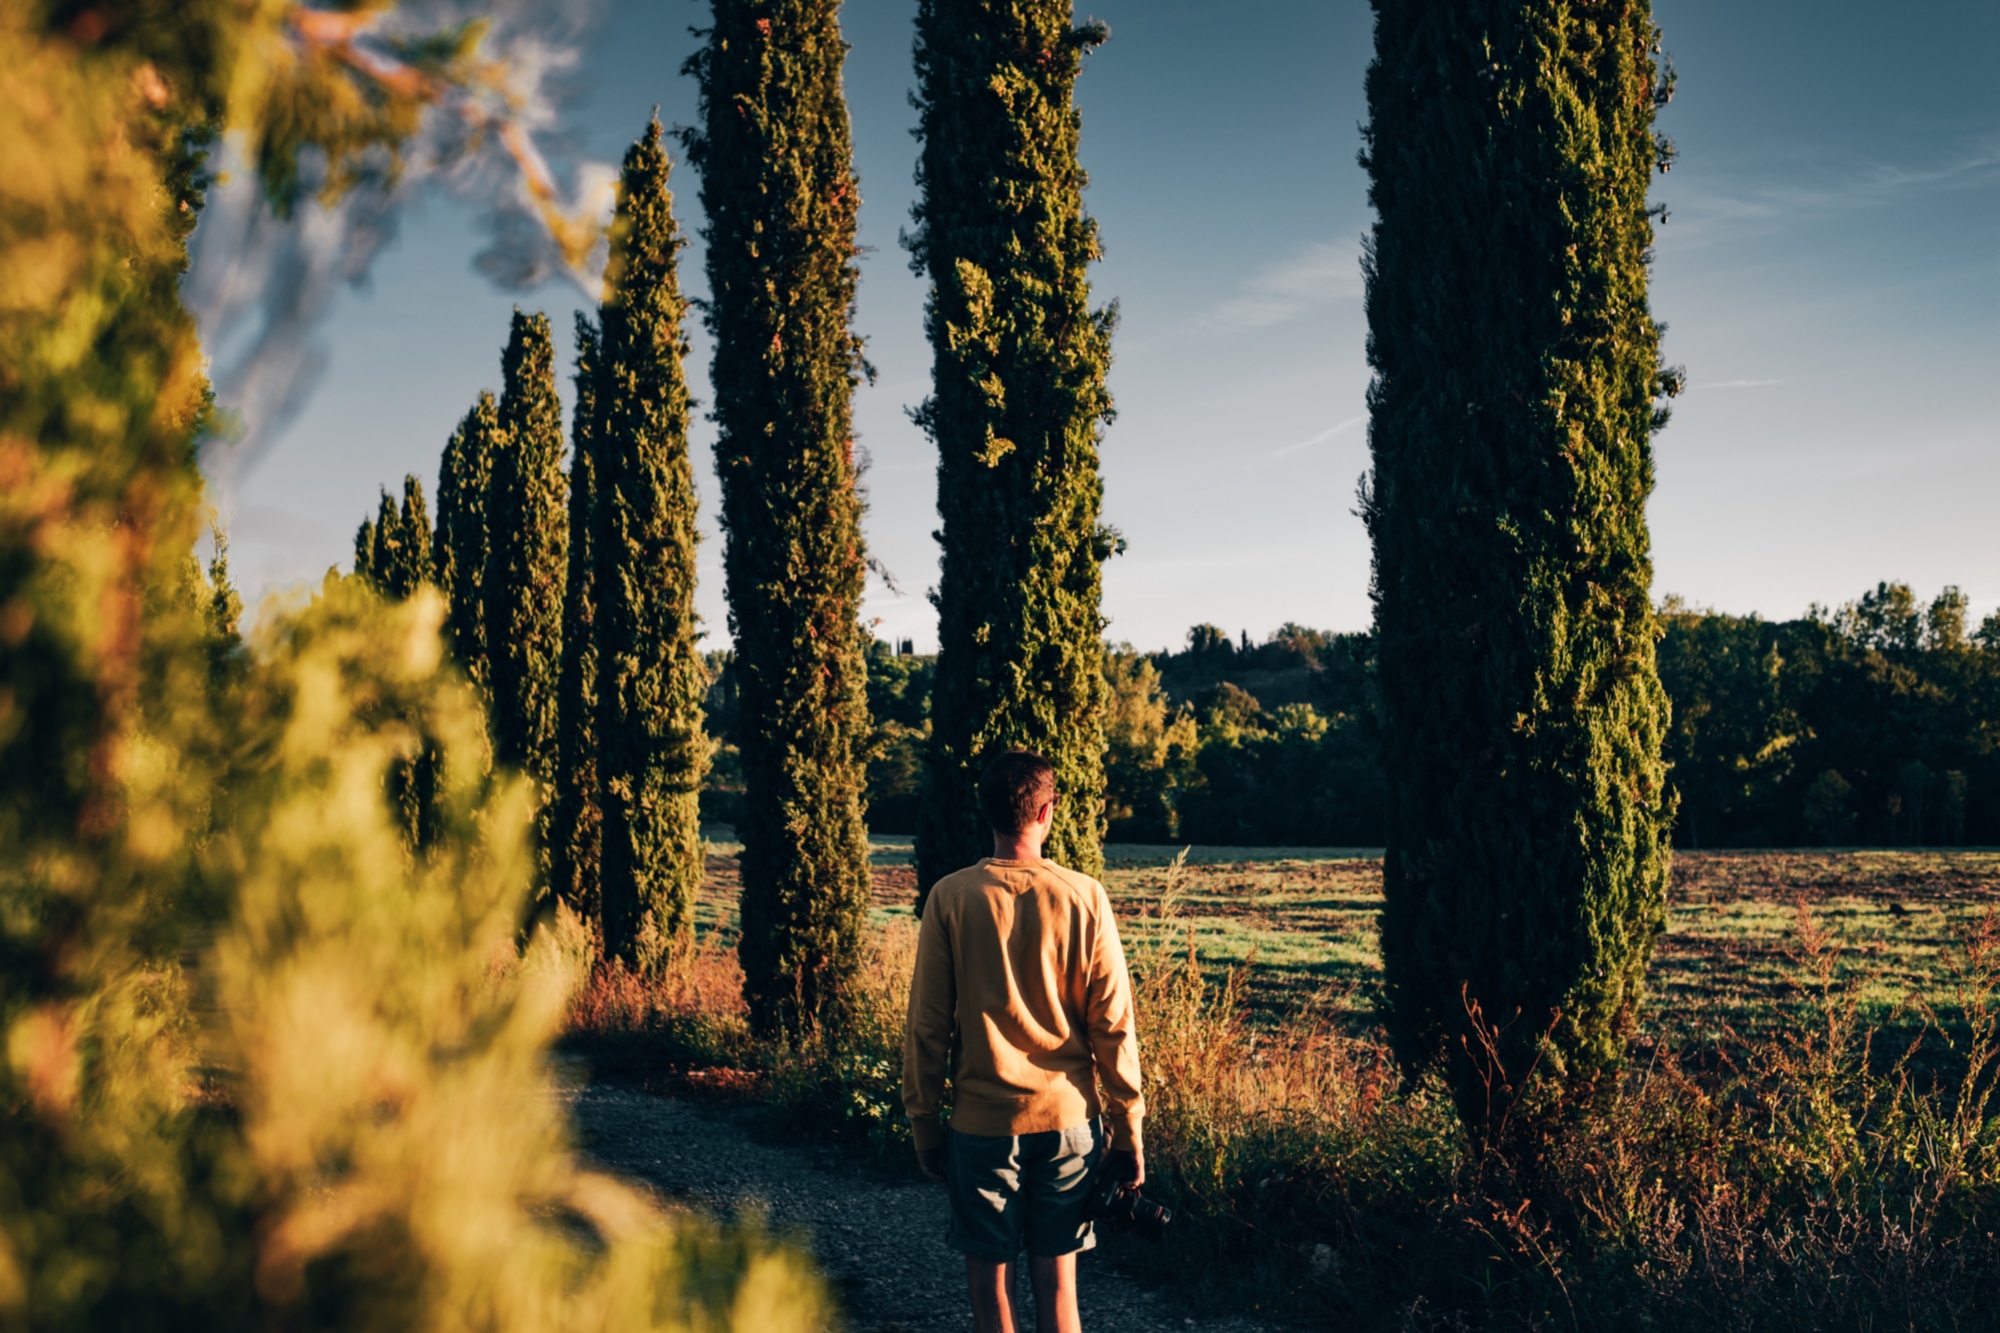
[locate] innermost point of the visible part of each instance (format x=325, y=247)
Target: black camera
x=1120, y=1207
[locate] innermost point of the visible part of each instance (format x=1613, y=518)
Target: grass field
x=1301, y=921
x=1781, y=1156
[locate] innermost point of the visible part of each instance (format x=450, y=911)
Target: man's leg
x=992, y=1287
x=1054, y=1281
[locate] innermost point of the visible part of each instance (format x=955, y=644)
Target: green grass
x=1302, y=922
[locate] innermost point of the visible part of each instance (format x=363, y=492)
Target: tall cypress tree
x=779, y=189
x=364, y=548
x=1509, y=149
x=459, y=547
x=1017, y=409
x=414, y=566
x=528, y=532
x=393, y=551
x=573, y=833
x=652, y=749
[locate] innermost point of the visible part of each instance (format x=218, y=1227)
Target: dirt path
x=881, y=1243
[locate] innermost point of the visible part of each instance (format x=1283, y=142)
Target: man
x=1021, y=991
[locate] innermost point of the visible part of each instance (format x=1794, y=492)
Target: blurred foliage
x=270, y=1061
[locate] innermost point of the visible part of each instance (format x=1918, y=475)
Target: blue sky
x=1829, y=276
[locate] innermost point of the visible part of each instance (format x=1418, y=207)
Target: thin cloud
x=1818, y=187
x=1319, y=275
x=1338, y=428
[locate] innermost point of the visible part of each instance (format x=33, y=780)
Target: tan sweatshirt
x=1021, y=993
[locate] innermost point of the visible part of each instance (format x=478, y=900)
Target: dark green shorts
x=1025, y=1191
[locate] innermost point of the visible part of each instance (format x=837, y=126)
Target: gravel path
x=880, y=1243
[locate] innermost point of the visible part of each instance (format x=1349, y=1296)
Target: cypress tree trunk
x=529, y=545
x=652, y=748
x=779, y=188
x=459, y=548
x=572, y=834
x=1017, y=408
x=1516, y=373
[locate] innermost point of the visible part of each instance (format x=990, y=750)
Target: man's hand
x=1126, y=1165
x=931, y=1162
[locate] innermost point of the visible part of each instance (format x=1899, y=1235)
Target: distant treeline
x=1223, y=742
x=1874, y=724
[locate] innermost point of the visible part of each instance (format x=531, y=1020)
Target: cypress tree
x=393, y=550
x=413, y=566
x=652, y=750
x=779, y=189
x=387, y=534
x=573, y=835
x=459, y=547
x=1017, y=409
x=364, y=549
x=1510, y=147
x=528, y=536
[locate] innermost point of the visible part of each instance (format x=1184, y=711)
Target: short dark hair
x=1013, y=788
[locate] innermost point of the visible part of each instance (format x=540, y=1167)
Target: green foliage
x=573, y=829
x=1735, y=729
x=652, y=751
x=1148, y=744
x=779, y=189
x=460, y=548
x=390, y=1086
x=1289, y=776
x=1869, y=723
x=1017, y=408
x=1509, y=149
x=899, y=705
x=527, y=554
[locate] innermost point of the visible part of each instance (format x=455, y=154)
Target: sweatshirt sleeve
x=928, y=1031
x=1114, y=1030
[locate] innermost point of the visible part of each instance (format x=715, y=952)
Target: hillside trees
x=526, y=561
x=1017, y=407
x=1516, y=374
x=460, y=548
x=573, y=827
x=779, y=189
x=652, y=750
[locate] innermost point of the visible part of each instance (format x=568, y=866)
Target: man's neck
x=1016, y=849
